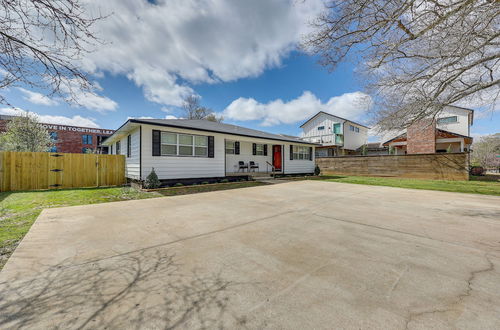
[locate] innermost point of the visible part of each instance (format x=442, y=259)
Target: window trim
x=85, y=138
x=439, y=120
x=257, y=149
x=233, y=143
x=178, y=144
x=298, y=151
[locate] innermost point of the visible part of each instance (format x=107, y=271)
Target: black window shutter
x=129, y=145
x=156, y=143
x=254, y=149
x=291, y=152
x=265, y=149
x=310, y=153
x=237, y=147
x=210, y=147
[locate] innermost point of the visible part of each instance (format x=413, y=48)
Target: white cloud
x=87, y=99
x=164, y=46
x=48, y=119
x=37, y=98
x=171, y=117
x=349, y=105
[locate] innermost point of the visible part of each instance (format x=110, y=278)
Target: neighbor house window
x=174, y=144
x=337, y=129
x=320, y=128
x=129, y=146
x=87, y=150
x=230, y=148
x=53, y=136
x=351, y=128
x=300, y=152
x=448, y=120
x=118, y=148
x=259, y=149
x=86, y=139
x=53, y=149
x=356, y=129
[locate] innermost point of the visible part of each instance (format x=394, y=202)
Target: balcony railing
x=327, y=139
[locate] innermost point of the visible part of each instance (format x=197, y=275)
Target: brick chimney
x=421, y=137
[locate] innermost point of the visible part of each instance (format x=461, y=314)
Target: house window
x=448, y=120
x=129, y=146
x=356, y=129
x=53, y=136
x=86, y=139
x=173, y=144
x=320, y=128
x=118, y=151
x=259, y=149
x=300, y=152
x=351, y=128
x=337, y=129
x=230, y=148
x=100, y=138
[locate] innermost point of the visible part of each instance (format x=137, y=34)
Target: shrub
x=477, y=170
x=317, y=170
x=152, y=181
x=224, y=181
x=178, y=184
x=204, y=182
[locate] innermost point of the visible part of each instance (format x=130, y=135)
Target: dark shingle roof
x=210, y=126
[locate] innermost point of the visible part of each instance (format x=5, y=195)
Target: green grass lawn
x=474, y=186
x=18, y=210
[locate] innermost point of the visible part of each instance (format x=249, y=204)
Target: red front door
x=277, y=157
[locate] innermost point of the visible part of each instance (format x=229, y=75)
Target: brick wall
x=448, y=166
x=70, y=138
x=421, y=138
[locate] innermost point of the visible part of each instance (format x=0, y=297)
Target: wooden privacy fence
x=446, y=166
x=44, y=170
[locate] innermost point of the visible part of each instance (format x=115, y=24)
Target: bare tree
x=41, y=42
x=416, y=56
x=193, y=110
x=486, y=151
x=25, y=133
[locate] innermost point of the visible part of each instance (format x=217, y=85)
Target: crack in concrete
x=460, y=298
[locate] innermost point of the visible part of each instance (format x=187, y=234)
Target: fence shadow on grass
x=144, y=289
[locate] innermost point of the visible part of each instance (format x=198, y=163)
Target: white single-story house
x=188, y=149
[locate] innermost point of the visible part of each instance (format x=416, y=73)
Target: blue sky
x=240, y=57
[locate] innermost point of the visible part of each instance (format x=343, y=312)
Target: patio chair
x=242, y=166
x=253, y=165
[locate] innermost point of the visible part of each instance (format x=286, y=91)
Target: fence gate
x=43, y=170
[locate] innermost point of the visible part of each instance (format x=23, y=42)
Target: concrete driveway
x=297, y=255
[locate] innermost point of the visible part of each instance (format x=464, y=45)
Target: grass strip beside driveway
x=471, y=187
x=18, y=210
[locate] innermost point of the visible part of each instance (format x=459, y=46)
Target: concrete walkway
x=297, y=255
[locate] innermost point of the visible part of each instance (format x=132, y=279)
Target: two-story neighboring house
x=449, y=132
x=336, y=135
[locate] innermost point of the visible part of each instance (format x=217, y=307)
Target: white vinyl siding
x=182, y=167
x=246, y=155
x=296, y=166
x=131, y=163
